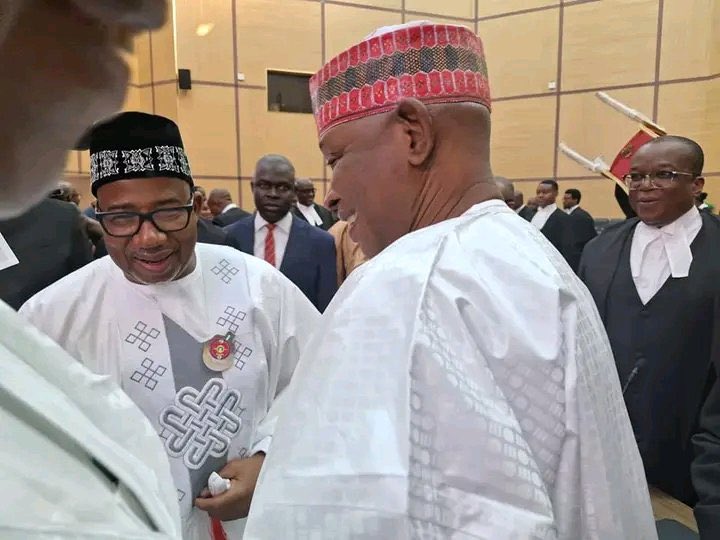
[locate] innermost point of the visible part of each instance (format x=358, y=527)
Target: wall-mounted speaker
x=184, y=79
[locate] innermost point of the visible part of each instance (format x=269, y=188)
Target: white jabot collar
x=676, y=238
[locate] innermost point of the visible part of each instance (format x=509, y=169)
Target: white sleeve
x=295, y=320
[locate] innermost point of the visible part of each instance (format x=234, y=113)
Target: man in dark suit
x=554, y=223
x=582, y=222
x=523, y=210
x=304, y=253
x=209, y=233
x=50, y=242
x=308, y=210
x=223, y=209
x=654, y=279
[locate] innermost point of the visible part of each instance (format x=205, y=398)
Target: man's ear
x=698, y=185
x=418, y=125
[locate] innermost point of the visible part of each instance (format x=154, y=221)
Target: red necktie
x=270, y=244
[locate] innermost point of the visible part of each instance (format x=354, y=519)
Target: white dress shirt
x=571, y=209
x=660, y=252
x=281, y=233
x=542, y=215
x=229, y=207
x=310, y=214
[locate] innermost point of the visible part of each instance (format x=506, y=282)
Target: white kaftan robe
x=462, y=386
x=149, y=339
x=78, y=459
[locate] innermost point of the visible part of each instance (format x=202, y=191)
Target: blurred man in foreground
x=79, y=459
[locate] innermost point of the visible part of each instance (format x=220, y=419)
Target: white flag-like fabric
x=462, y=386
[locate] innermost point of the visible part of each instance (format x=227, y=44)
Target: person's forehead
x=341, y=135
x=274, y=173
x=661, y=151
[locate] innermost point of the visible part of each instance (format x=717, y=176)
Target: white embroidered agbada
x=149, y=339
x=461, y=386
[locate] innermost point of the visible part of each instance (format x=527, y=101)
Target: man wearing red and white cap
x=432, y=403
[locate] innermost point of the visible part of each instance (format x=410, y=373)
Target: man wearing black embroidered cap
x=201, y=337
x=149, y=217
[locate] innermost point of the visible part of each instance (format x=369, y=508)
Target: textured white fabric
x=281, y=234
x=542, y=215
x=657, y=253
x=572, y=209
x=310, y=214
x=119, y=329
x=461, y=386
x=56, y=416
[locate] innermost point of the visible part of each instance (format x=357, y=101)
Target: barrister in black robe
x=582, y=222
x=662, y=345
x=555, y=224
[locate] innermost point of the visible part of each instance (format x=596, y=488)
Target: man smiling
x=201, y=337
x=460, y=384
x=655, y=281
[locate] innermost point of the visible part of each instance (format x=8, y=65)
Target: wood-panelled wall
x=659, y=56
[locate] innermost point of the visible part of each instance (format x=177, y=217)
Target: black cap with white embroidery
x=136, y=145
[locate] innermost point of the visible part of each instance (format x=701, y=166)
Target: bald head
x=218, y=199
x=303, y=183
x=305, y=191
x=275, y=163
x=274, y=187
x=65, y=191
x=507, y=190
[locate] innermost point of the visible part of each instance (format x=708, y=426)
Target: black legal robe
x=669, y=341
x=527, y=213
x=583, y=228
x=559, y=230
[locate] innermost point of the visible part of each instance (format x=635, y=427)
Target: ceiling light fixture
x=204, y=29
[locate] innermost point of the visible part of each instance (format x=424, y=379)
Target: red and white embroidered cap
x=435, y=63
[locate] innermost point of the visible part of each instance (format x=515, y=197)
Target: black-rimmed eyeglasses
x=124, y=224
x=659, y=179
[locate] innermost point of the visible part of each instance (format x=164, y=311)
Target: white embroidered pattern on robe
x=139, y=160
x=148, y=374
x=142, y=337
x=231, y=319
x=200, y=424
x=225, y=271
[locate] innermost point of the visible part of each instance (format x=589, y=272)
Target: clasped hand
x=235, y=502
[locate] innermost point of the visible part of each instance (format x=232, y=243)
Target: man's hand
x=235, y=502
